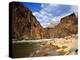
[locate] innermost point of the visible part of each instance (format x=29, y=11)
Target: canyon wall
x=26, y=26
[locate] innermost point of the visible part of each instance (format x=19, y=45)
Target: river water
x=25, y=48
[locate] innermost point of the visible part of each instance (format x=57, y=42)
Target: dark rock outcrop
x=67, y=26
x=24, y=24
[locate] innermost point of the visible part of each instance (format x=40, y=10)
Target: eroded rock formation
x=67, y=26
x=26, y=26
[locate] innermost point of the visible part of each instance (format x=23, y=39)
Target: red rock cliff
x=24, y=24
x=67, y=26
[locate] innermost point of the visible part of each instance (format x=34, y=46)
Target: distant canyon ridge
x=26, y=26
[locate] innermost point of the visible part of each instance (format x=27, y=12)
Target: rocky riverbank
x=59, y=46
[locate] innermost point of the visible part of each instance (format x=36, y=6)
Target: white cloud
x=52, y=13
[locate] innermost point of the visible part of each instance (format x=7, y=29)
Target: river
x=24, y=48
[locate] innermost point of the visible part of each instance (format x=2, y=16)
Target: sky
x=48, y=13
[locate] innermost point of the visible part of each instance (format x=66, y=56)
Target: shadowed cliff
x=26, y=26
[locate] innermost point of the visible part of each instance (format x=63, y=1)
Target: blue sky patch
x=48, y=13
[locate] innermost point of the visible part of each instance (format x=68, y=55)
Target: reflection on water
x=24, y=49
